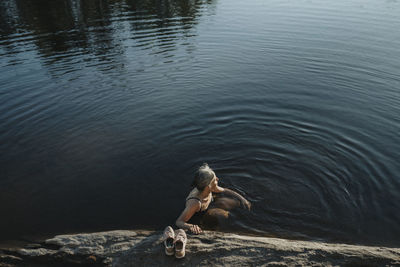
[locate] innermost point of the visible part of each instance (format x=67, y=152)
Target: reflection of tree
x=93, y=27
x=8, y=16
x=167, y=16
x=167, y=9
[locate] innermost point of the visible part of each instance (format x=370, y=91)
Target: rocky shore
x=144, y=248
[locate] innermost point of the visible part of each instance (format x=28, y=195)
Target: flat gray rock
x=144, y=248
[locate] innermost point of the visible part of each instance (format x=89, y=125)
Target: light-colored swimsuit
x=194, y=194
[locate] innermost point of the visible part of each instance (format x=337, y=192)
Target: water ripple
x=294, y=104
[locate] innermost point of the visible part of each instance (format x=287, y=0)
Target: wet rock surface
x=144, y=248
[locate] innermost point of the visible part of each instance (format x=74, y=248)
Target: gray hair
x=203, y=177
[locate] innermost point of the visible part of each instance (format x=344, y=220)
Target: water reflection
x=65, y=65
x=97, y=31
x=294, y=104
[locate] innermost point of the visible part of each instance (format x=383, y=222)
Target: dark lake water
x=108, y=107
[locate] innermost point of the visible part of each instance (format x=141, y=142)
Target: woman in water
x=201, y=202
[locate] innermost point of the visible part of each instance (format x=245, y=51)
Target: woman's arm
x=217, y=189
x=244, y=201
x=192, y=206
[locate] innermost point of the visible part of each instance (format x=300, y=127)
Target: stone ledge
x=144, y=248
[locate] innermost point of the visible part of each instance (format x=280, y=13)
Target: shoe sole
x=169, y=253
x=180, y=256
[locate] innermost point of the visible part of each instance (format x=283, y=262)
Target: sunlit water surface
x=108, y=107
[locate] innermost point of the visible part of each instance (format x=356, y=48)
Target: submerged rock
x=144, y=248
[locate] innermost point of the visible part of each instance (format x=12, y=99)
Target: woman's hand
x=195, y=229
x=246, y=204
